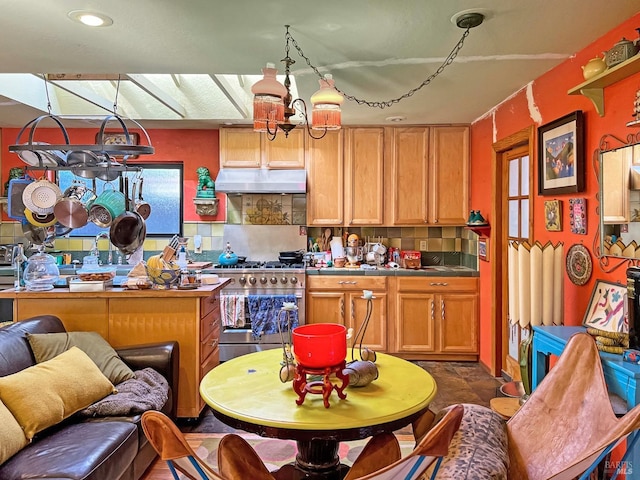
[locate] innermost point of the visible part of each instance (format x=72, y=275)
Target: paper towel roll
x=337, y=249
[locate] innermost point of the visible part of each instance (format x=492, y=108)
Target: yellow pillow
x=12, y=438
x=45, y=346
x=45, y=394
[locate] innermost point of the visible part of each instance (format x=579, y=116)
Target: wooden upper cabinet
x=408, y=151
x=239, y=148
x=244, y=148
x=325, y=180
x=284, y=152
x=449, y=175
x=364, y=176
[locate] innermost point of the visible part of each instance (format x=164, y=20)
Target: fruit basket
x=162, y=274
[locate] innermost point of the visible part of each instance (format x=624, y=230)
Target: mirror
x=619, y=179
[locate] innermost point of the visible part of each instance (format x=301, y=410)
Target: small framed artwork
x=483, y=249
x=561, y=155
x=578, y=215
x=553, y=215
x=607, y=308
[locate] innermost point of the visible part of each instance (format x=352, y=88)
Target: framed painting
x=607, y=308
x=483, y=249
x=578, y=215
x=561, y=155
x=553, y=215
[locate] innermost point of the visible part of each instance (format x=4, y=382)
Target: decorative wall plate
x=579, y=264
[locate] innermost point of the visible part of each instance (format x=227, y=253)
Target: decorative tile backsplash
x=454, y=245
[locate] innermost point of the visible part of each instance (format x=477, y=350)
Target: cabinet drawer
x=213, y=360
x=437, y=284
x=210, y=323
x=209, y=344
x=208, y=304
x=344, y=282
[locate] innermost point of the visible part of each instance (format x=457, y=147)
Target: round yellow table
x=247, y=393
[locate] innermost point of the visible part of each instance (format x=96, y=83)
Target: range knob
x=283, y=280
x=252, y=280
x=242, y=280
x=263, y=280
x=294, y=280
x=273, y=280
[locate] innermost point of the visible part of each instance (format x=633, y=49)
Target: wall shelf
x=594, y=87
x=480, y=230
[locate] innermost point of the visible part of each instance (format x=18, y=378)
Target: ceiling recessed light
x=91, y=19
x=396, y=119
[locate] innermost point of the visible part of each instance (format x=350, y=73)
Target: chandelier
x=273, y=105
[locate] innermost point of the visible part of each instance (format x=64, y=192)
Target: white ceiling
x=375, y=49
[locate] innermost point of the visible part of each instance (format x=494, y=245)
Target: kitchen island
x=130, y=317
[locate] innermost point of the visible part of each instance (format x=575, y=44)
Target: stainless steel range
x=250, y=305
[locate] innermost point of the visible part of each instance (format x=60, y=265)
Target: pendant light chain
x=387, y=103
x=46, y=91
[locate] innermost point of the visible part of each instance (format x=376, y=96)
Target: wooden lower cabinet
x=434, y=318
x=338, y=299
x=192, y=321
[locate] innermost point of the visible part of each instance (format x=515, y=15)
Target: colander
x=40, y=197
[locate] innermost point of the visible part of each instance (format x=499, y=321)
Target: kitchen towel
x=232, y=310
x=264, y=311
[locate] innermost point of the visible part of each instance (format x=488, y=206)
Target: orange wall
x=194, y=148
x=551, y=99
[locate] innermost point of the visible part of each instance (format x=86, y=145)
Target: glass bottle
x=19, y=263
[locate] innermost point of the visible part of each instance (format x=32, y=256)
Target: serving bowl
x=319, y=345
x=163, y=277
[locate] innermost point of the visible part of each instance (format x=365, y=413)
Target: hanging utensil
x=128, y=230
x=142, y=207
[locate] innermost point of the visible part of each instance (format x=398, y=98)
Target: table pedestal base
x=316, y=460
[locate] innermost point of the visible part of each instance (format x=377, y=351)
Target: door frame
x=498, y=246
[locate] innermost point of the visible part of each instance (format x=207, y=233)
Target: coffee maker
x=633, y=295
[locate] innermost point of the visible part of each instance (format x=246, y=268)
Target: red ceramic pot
x=319, y=345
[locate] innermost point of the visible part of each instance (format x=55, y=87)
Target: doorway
x=513, y=219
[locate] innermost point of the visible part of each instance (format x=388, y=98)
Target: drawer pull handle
x=347, y=282
x=438, y=284
x=214, y=343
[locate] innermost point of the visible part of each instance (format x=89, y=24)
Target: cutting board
x=200, y=265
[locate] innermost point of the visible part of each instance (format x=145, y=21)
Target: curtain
x=535, y=283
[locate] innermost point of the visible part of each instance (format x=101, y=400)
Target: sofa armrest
x=163, y=357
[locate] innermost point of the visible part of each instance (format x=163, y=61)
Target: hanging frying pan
x=128, y=230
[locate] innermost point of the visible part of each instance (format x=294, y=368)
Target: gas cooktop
x=248, y=264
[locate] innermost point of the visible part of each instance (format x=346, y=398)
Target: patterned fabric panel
x=479, y=449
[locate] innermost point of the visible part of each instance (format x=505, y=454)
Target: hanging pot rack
x=125, y=150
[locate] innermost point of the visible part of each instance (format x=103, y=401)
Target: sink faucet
x=96, y=251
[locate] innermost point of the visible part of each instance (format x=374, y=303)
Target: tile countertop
x=431, y=271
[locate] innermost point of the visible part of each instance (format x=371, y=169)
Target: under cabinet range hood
x=261, y=180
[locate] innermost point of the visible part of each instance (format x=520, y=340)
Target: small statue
x=206, y=186
x=15, y=172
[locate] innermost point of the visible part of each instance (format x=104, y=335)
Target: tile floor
x=458, y=382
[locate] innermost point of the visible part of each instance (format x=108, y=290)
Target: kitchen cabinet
x=435, y=318
x=123, y=318
x=245, y=148
x=364, y=176
x=346, y=176
x=325, y=179
x=430, y=171
x=338, y=299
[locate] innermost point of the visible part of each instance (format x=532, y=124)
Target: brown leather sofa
x=113, y=448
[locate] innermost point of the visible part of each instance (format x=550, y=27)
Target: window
x=162, y=189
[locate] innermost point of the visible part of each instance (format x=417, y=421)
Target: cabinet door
x=415, y=323
x=375, y=335
x=239, y=148
x=325, y=167
x=458, y=331
x=408, y=150
x=364, y=175
x=449, y=175
x=284, y=152
x=325, y=307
